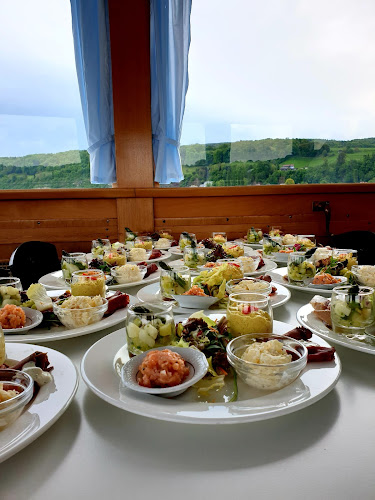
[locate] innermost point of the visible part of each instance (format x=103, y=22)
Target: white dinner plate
x=33, y=319
x=307, y=318
x=55, y=280
x=39, y=334
x=278, y=274
x=269, y=265
x=51, y=402
x=151, y=293
x=100, y=365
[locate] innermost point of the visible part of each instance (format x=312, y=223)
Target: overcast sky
x=290, y=68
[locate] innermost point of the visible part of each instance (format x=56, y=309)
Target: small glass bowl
x=254, y=235
x=143, y=242
x=219, y=237
x=256, y=286
x=122, y=280
x=234, y=249
x=249, y=313
x=166, y=233
x=275, y=232
x=267, y=377
x=131, y=257
x=269, y=249
x=307, y=240
x=99, y=246
x=11, y=409
x=348, y=254
x=89, y=283
x=115, y=258
x=301, y=271
x=363, y=279
x=149, y=325
x=76, y=318
x=11, y=281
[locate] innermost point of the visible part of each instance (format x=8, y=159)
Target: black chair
x=362, y=241
x=32, y=260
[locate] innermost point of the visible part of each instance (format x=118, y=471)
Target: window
x=42, y=135
x=280, y=92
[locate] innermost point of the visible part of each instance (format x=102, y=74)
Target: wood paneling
x=135, y=213
x=130, y=53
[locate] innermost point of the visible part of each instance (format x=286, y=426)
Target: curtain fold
x=169, y=48
x=92, y=48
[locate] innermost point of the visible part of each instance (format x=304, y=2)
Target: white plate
x=151, y=293
x=33, y=319
x=53, y=281
x=51, y=402
x=99, y=371
x=269, y=265
x=277, y=276
x=61, y=332
x=307, y=318
x=165, y=256
x=194, y=302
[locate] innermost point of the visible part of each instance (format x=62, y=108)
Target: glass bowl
x=143, y=242
x=128, y=273
x=185, y=242
x=175, y=282
x=364, y=275
x=219, y=237
x=252, y=285
x=21, y=382
x=194, y=257
x=249, y=313
x=11, y=281
x=133, y=257
x=76, y=318
x=99, y=246
x=149, y=325
x=267, y=377
x=234, y=249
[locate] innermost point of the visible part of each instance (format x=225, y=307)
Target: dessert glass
x=73, y=262
x=88, y=283
x=194, y=257
x=99, y=246
x=185, y=242
x=143, y=242
x=149, y=325
x=254, y=235
x=174, y=282
x=301, y=271
x=249, y=313
x=219, y=237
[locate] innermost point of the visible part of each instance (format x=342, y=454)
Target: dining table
x=98, y=451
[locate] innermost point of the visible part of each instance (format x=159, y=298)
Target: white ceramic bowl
x=195, y=301
x=195, y=359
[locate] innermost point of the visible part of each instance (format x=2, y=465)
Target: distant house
x=287, y=167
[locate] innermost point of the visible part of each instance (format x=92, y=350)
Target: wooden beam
x=130, y=54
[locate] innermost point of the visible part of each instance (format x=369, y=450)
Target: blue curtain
x=93, y=62
x=170, y=41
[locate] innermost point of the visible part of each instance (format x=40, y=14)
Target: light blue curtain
x=93, y=62
x=170, y=41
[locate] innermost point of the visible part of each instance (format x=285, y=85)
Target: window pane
x=42, y=135
x=280, y=93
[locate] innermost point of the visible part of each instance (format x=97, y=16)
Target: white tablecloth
x=97, y=451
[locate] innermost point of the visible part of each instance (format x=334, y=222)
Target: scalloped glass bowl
x=267, y=377
x=76, y=318
x=10, y=410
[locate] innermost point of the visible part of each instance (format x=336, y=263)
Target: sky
x=278, y=69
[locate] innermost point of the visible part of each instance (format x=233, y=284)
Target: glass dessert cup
x=166, y=233
x=115, y=257
x=249, y=313
x=175, y=281
x=149, y=325
x=99, y=246
x=272, y=245
x=23, y=384
x=269, y=377
x=301, y=271
x=77, y=318
x=275, y=232
x=194, y=257
x=88, y=283
x=71, y=263
x=352, y=310
x=11, y=281
x=219, y=237
x=185, y=242
x=254, y=235
x=143, y=242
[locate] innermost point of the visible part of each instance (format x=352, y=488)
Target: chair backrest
x=363, y=241
x=33, y=259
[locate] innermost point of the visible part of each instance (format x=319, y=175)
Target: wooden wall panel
x=135, y=213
